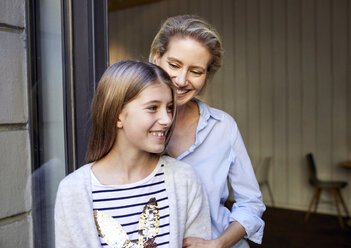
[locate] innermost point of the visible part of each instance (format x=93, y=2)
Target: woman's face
x=186, y=61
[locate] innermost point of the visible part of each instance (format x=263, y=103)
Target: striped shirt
x=125, y=203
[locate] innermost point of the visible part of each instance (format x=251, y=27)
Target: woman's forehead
x=188, y=50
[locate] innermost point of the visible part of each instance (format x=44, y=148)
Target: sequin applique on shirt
x=113, y=234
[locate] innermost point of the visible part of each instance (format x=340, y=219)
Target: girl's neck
x=124, y=167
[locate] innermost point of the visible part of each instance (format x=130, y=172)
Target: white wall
x=286, y=80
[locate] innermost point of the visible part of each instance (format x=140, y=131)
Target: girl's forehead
x=155, y=90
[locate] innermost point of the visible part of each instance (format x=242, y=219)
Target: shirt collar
x=206, y=111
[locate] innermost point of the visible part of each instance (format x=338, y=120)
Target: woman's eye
x=199, y=73
x=173, y=65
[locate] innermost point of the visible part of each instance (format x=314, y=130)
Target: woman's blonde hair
x=189, y=26
x=120, y=84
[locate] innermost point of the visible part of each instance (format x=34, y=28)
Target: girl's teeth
x=158, y=134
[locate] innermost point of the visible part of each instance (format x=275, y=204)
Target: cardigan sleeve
x=74, y=220
x=62, y=236
x=189, y=210
x=198, y=222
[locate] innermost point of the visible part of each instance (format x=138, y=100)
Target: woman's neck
x=184, y=133
x=186, y=112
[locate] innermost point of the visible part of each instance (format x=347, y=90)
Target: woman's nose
x=181, y=79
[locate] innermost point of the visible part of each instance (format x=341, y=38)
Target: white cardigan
x=188, y=206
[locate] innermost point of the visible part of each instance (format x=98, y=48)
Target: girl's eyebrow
x=155, y=101
x=151, y=101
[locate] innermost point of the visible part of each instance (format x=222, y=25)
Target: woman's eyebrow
x=172, y=58
x=198, y=67
x=193, y=67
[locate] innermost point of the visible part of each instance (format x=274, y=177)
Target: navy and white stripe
x=125, y=203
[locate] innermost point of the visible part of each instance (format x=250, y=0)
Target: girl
x=190, y=50
x=128, y=195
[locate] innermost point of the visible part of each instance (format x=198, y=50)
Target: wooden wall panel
x=229, y=83
x=216, y=89
x=348, y=99
x=324, y=93
x=294, y=107
x=309, y=96
x=280, y=102
x=339, y=80
x=240, y=70
x=339, y=85
x=286, y=80
x=266, y=86
x=253, y=75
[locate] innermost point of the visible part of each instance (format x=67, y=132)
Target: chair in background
x=334, y=186
x=262, y=173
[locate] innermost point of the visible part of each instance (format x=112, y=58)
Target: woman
x=190, y=50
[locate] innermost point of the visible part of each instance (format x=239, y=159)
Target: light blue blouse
x=217, y=154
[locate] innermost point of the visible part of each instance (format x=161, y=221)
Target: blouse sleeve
x=248, y=207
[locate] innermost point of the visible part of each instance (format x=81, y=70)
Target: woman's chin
x=183, y=100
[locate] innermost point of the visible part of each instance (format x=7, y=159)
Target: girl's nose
x=165, y=118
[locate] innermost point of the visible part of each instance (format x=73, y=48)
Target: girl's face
x=145, y=121
x=186, y=61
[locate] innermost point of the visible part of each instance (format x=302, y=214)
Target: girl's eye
x=170, y=108
x=152, y=108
